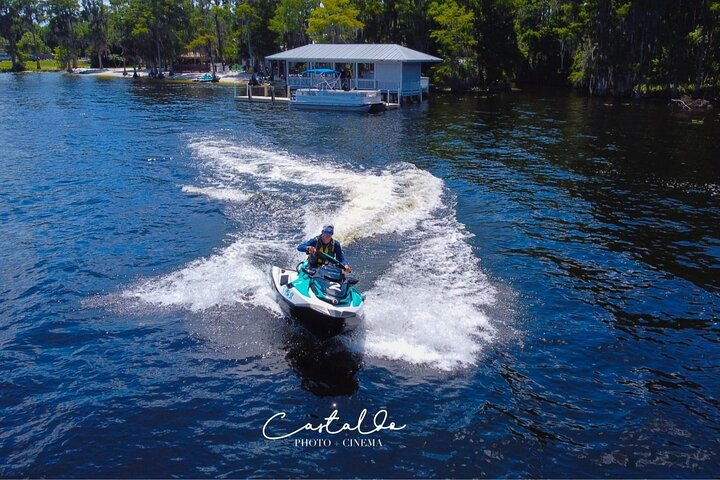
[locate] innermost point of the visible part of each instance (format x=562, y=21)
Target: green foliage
x=245, y=18
x=334, y=21
x=154, y=29
x=630, y=47
x=290, y=21
x=605, y=47
x=411, y=23
x=546, y=32
x=497, y=49
x=205, y=37
x=63, y=56
x=96, y=27
x=64, y=18
x=454, y=36
x=372, y=15
x=13, y=23
x=264, y=40
x=27, y=44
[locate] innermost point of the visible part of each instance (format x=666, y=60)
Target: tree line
x=606, y=47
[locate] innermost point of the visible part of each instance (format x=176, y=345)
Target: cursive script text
x=332, y=428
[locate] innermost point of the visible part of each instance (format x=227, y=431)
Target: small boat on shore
x=327, y=94
x=207, y=77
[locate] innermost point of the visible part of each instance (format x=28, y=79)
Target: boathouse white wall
x=387, y=76
x=411, y=78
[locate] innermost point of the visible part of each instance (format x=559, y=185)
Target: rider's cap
x=329, y=229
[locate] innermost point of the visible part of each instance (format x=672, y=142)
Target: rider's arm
x=304, y=246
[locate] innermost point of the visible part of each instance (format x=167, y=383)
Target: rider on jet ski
x=326, y=244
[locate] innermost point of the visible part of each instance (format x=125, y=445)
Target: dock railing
x=295, y=82
x=390, y=90
x=364, y=83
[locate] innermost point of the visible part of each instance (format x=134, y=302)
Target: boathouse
x=393, y=69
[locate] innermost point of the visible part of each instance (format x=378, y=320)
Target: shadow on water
x=325, y=365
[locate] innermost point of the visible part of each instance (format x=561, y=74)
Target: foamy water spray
x=226, y=278
x=427, y=308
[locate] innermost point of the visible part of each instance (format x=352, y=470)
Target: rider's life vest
x=328, y=249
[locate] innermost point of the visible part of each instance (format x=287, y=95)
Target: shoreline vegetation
x=684, y=102
x=228, y=77
x=612, y=48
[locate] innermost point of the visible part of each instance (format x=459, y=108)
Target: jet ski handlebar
x=330, y=258
x=337, y=262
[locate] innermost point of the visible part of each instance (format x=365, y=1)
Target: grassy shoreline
x=31, y=66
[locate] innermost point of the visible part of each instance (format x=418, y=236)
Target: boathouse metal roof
x=354, y=52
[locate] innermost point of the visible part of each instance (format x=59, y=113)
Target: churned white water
x=224, y=194
x=226, y=278
x=426, y=308
x=393, y=200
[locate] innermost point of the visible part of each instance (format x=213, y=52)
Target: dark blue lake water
x=542, y=273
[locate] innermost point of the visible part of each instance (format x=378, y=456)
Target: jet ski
x=321, y=298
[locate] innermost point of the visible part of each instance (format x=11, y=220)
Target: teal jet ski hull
x=322, y=303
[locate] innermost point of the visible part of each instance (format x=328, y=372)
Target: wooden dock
x=266, y=94
x=259, y=94
x=263, y=99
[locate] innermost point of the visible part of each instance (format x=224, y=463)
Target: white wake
x=428, y=307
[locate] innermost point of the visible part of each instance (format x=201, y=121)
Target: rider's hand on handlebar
x=311, y=250
x=347, y=269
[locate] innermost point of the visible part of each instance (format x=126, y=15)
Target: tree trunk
x=157, y=48
x=72, y=61
x=601, y=78
x=221, y=57
x=699, y=70
x=250, y=53
x=13, y=53
x=212, y=63
x=480, y=72
x=37, y=57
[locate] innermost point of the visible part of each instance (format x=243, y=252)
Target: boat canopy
x=320, y=71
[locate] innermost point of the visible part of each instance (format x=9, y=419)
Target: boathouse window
x=366, y=70
x=296, y=68
x=341, y=67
